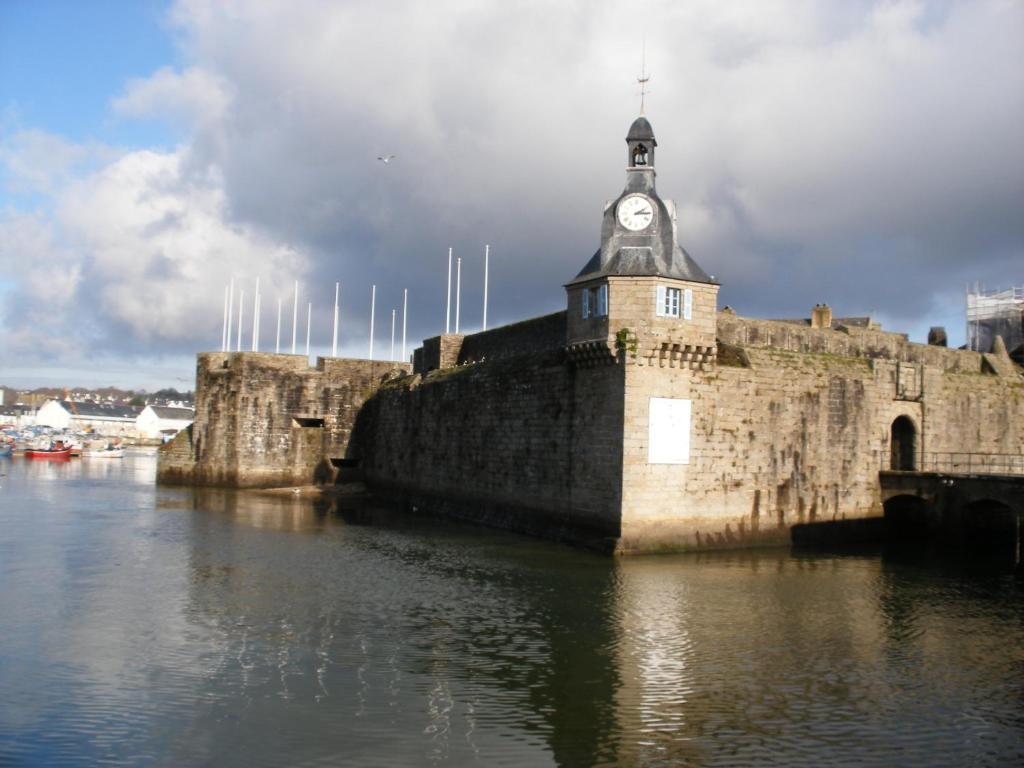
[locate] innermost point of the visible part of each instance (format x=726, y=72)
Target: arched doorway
x=903, y=444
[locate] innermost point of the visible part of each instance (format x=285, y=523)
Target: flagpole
x=277, y=345
x=373, y=310
x=458, y=290
x=231, y=313
x=448, y=301
x=295, y=314
x=334, y=339
x=241, y=302
x=309, y=318
x=487, y=258
x=256, y=318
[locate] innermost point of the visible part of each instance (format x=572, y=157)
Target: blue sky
x=861, y=154
x=61, y=61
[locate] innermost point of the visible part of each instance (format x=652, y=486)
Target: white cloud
x=147, y=251
x=35, y=161
x=194, y=97
x=864, y=154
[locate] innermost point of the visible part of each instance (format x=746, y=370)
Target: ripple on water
x=171, y=627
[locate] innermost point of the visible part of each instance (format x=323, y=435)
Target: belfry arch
x=902, y=445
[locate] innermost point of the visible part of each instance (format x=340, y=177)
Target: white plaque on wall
x=668, y=421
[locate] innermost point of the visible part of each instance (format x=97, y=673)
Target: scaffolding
x=994, y=313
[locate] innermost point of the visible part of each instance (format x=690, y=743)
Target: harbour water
x=142, y=625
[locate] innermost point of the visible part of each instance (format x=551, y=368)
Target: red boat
x=57, y=451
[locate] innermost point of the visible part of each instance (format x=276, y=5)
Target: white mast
x=241, y=300
x=309, y=317
x=393, y=312
x=295, y=314
x=487, y=258
x=277, y=345
x=231, y=313
x=448, y=301
x=405, y=307
x=256, y=318
x=334, y=338
x=458, y=290
x=224, y=325
x=373, y=309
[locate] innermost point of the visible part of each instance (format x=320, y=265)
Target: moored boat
x=6, y=450
x=105, y=453
x=48, y=453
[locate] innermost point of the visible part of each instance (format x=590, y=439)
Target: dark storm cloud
x=862, y=154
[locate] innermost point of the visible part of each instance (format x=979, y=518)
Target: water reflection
x=635, y=661
x=177, y=627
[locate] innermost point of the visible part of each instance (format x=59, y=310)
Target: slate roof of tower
x=645, y=261
x=640, y=130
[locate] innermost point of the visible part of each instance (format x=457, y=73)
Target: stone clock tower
x=641, y=294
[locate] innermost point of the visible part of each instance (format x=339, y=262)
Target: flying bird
x=386, y=158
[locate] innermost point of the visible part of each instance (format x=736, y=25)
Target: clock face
x=636, y=213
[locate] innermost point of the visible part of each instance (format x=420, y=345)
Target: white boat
x=105, y=453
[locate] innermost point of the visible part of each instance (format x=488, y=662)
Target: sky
x=863, y=154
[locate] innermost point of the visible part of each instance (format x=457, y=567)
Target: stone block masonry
x=265, y=420
x=524, y=443
x=527, y=337
x=784, y=437
x=789, y=425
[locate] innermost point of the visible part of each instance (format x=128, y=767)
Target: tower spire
x=644, y=77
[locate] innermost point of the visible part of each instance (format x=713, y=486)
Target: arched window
x=903, y=445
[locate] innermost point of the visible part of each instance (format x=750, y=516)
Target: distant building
x=158, y=420
x=88, y=417
x=995, y=313
x=19, y=416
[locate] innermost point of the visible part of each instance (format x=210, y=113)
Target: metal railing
x=960, y=463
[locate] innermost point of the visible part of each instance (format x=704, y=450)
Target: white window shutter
x=660, y=301
x=688, y=304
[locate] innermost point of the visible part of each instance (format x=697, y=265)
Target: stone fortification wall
x=848, y=341
x=535, y=336
x=784, y=430
x=437, y=352
x=792, y=437
x=523, y=443
x=270, y=420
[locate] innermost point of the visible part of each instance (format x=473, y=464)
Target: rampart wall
x=847, y=341
x=534, y=336
x=795, y=438
x=270, y=420
x=525, y=443
x=789, y=425
x=783, y=432
x=538, y=334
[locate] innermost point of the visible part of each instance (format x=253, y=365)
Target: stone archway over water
x=909, y=517
x=991, y=525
